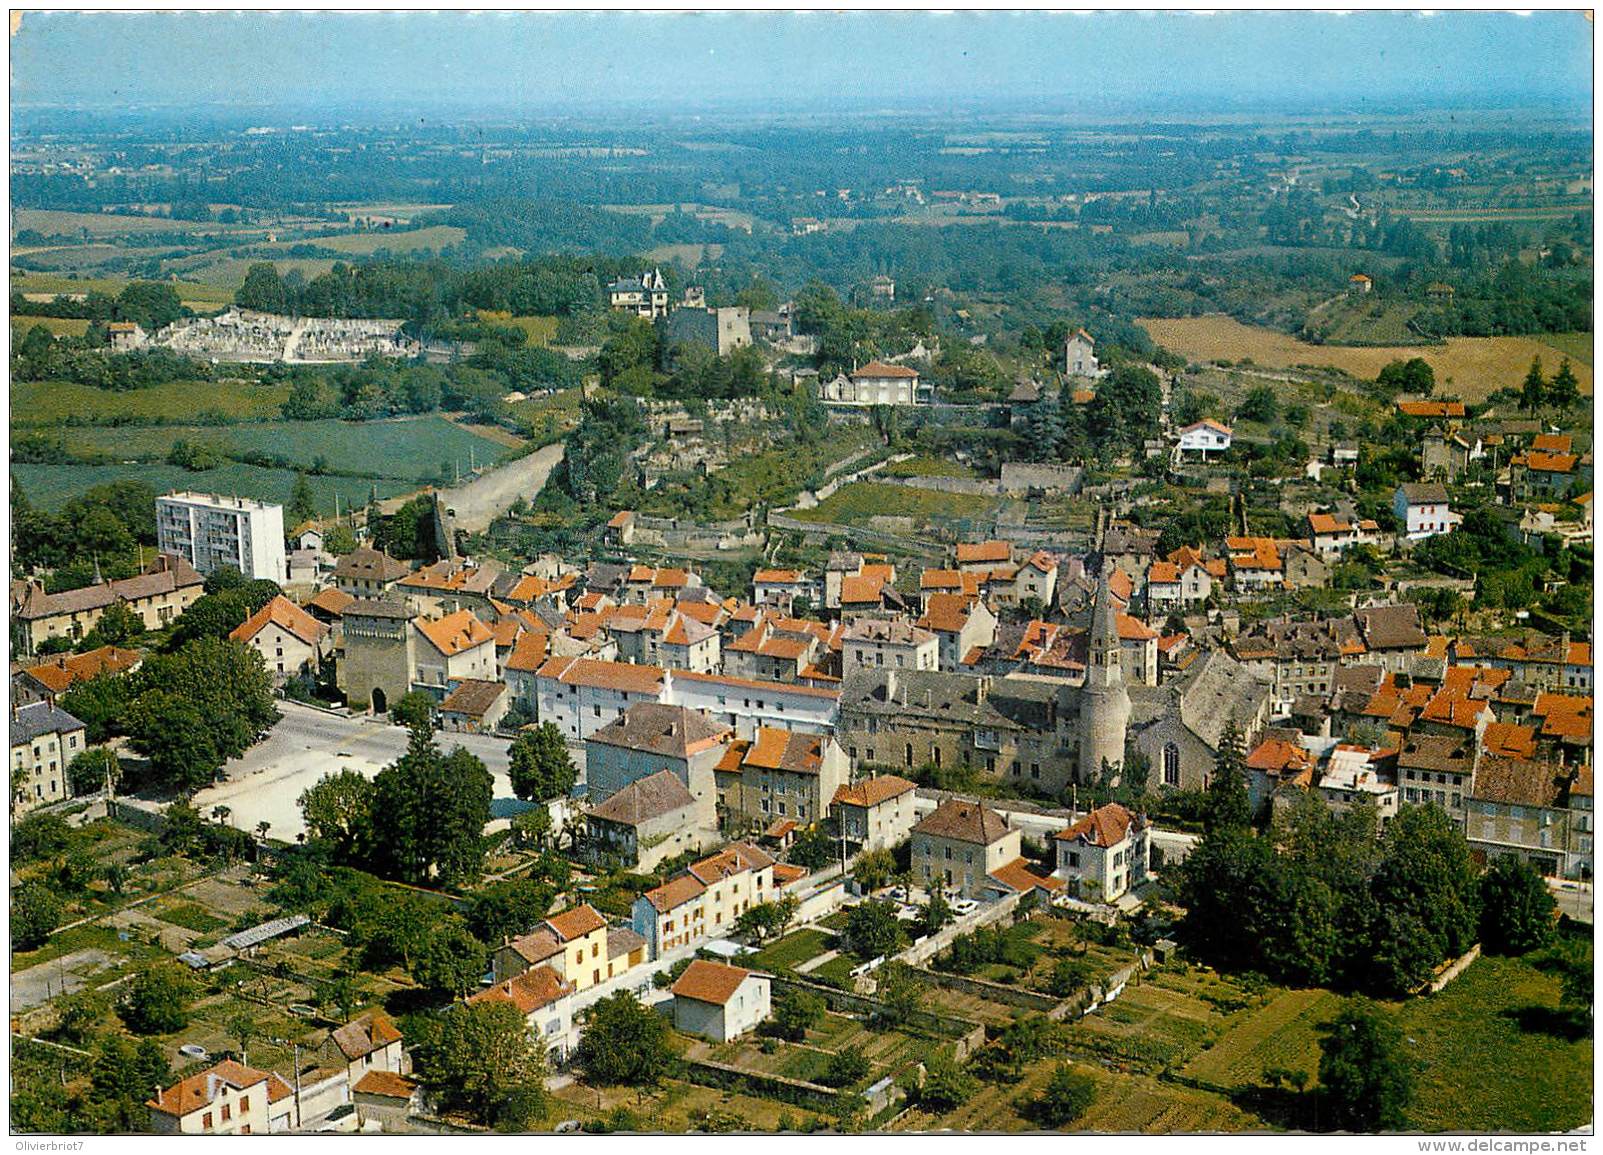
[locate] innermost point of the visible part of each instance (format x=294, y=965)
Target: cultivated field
x=431, y=239
x=58, y=326
x=52, y=486
x=1279, y=1034
x=1476, y=365
x=191, y=293
x=406, y=448
x=52, y=223
x=53, y=402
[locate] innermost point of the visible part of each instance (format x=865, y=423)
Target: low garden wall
x=726, y=1077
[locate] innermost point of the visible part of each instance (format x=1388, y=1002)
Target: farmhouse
x=226, y=1099
x=1422, y=510
x=877, y=383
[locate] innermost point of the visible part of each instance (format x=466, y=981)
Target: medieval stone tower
x=1104, y=701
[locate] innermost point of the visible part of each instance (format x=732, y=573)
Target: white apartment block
x=211, y=532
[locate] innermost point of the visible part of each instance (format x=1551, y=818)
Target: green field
x=53, y=223
x=856, y=503
x=431, y=239
x=541, y=330
x=52, y=486
x=407, y=448
x=795, y=948
x=53, y=402
x=926, y=466
x=58, y=326
x=195, y=295
x=1489, y=1060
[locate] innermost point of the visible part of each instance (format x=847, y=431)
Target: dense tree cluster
x=104, y=527
x=420, y=820
x=1322, y=901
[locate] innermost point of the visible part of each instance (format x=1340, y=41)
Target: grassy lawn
x=837, y=971
x=1490, y=1059
x=795, y=948
x=861, y=501
x=431, y=239
x=191, y=916
x=773, y=477
x=52, y=486
x=53, y=402
x=197, y=296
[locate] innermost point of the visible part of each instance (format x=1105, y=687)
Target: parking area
x=266, y=783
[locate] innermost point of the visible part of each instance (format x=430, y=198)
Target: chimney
x=158, y=1095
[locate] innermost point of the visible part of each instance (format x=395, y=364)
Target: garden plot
x=1281, y=1034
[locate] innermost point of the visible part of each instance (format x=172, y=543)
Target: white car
x=965, y=905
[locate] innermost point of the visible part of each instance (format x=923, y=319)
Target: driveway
x=266, y=783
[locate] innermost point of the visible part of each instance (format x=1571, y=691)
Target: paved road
x=265, y=784
x=486, y=497
x=1575, y=899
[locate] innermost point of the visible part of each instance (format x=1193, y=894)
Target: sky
x=574, y=61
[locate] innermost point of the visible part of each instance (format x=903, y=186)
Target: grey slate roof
x=40, y=718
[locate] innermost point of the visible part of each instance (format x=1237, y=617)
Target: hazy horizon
x=660, y=63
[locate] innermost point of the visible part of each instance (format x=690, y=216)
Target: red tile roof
x=705, y=981
x=287, y=616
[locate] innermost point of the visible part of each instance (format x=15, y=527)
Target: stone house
x=779, y=775
x=367, y=573
x=44, y=741
x=650, y=820
x=1104, y=854
x=450, y=649
x=290, y=640
x=959, y=845
x=650, y=737
x=227, y=1098
x=704, y=900
x=168, y=587
x=875, y=813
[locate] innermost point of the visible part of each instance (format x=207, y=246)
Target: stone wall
x=1025, y=476
x=991, y=992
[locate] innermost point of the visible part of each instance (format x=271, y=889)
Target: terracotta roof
x=1083, y=396
x=368, y=1032
x=1552, y=442
x=287, y=616
x=675, y=892
x=1508, y=740
x=331, y=601
x=536, y=946
x=783, y=577
x=607, y=675
x=857, y=590
x=529, y=652
x=1106, y=826
x=881, y=369
x=64, y=670
x=386, y=1085
x=705, y=981
x=454, y=633
x=1392, y=627
x=984, y=551
x=733, y=859
x=1163, y=573
x=1322, y=523
x=197, y=1091
x=1017, y=875
x=1207, y=423
x=1518, y=782
x=785, y=873
x=786, y=688
x=1550, y=462
x=786, y=750
x=620, y=519
x=1277, y=756
x=1120, y=585
x=529, y=991
x=947, y=613
x=576, y=922
x=1133, y=629
x=964, y=821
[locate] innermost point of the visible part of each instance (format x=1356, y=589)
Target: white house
x=876, y=383
x=960, y=845
x=288, y=638
x=720, y=1002
x=1079, y=355
x=581, y=695
x=1422, y=510
x=875, y=813
x=226, y=1099
x=1104, y=853
x=1204, y=437
x=876, y=643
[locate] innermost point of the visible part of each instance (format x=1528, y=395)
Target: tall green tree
x=1365, y=1079
x=1427, y=890
x=484, y=1062
x=1533, y=393
x=1517, y=909
x=540, y=766
x=157, y=1001
x=302, y=504
x=624, y=1043
x=429, y=812
x=339, y=810
x=1564, y=390
x=35, y=912
x=1228, y=804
